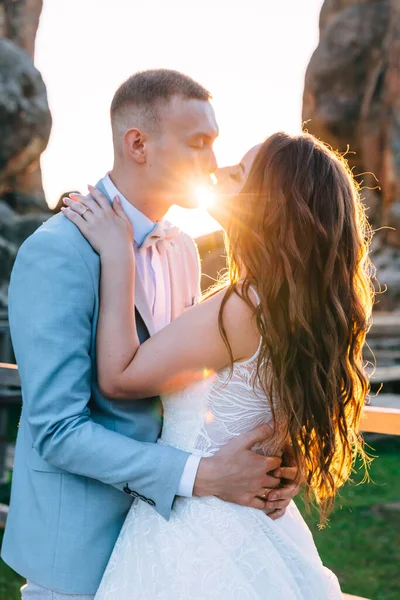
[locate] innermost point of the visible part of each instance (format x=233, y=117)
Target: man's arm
x=51, y=301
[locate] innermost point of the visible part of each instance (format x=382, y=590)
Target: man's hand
x=237, y=474
x=278, y=500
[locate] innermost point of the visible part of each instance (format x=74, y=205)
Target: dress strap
x=256, y=353
x=253, y=289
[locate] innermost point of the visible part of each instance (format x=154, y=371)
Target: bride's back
x=207, y=414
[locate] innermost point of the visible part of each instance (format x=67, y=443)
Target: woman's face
x=230, y=181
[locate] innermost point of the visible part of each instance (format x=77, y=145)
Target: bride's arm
x=117, y=341
x=189, y=349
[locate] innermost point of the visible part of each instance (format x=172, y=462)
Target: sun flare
x=205, y=197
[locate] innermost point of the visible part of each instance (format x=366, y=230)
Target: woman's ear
x=135, y=144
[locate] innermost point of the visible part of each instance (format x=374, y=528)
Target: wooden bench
x=9, y=376
x=6, y=351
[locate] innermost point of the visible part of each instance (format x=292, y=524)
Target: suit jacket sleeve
x=51, y=300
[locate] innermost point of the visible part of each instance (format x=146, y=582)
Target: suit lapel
x=141, y=302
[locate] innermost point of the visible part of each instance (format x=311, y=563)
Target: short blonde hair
x=141, y=95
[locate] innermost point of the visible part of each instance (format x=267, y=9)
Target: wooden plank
x=385, y=400
x=386, y=374
x=10, y=398
x=9, y=366
x=385, y=325
x=4, y=326
x=377, y=419
x=382, y=356
x=9, y=375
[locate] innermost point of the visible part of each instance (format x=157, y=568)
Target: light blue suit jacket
x=80, y=458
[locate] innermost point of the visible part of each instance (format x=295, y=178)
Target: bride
x=279, y=343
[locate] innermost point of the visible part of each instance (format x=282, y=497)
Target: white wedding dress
x=211, y=549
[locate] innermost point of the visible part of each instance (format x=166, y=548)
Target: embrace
x=164, y=435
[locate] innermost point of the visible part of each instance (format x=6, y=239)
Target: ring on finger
x=85, y=211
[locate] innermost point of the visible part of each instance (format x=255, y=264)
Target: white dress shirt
x=152, y=266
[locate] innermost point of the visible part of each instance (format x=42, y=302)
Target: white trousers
x=33, y=591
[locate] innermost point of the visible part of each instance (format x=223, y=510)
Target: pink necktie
x=164, y=231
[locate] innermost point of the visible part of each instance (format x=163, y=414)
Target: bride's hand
x=105, y=226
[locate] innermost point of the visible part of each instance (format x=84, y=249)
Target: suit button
x=127, y=490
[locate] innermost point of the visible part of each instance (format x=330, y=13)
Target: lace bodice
x=206, y=415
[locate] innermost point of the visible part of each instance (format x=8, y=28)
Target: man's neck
x=138, y=194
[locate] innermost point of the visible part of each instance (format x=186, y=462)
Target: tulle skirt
x=211, y=549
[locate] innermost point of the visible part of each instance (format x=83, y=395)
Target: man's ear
x=134, y=141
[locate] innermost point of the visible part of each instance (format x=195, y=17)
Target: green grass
x=10, y=582
x=361, y=543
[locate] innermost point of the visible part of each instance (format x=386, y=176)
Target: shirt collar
x=142, y=225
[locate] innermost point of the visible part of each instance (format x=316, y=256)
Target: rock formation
x=25, y=124
x=352, y=100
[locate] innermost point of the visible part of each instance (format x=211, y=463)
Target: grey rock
x=23, y=226
x=351, y=99
x=8, y=252
x=338, y=74
x=393, y=222
x=6, y=213
x=19, y=21
x=25, y=124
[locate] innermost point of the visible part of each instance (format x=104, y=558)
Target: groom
x=81, y=459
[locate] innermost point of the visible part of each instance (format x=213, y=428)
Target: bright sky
x=252, y=56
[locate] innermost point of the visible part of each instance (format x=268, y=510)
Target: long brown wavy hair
x=299, y=234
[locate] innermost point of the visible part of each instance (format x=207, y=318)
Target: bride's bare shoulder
x=238, y=320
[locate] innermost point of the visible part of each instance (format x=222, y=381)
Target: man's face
x=182, y=158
